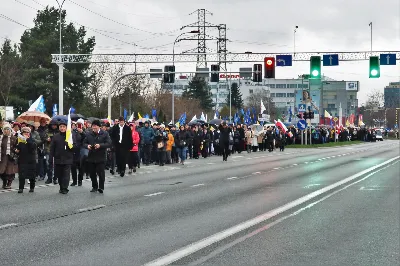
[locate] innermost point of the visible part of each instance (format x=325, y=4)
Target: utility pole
x=60, y=65
x=370, y=24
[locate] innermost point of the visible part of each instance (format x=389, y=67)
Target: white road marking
x=256, y=173
x=238, y=156
x=295, y=164
x=210, y=163
x=231, y=178
x=311, y=185
x=277, y=168
x=306, y=162
x=368, y=188
x=7, y=225
x=198, y=185
x=154, y=194
x=91, y=208
x=333, y=156
x=194, y=247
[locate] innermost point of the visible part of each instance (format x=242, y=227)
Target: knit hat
x=6, y=126
x=26, y=129
x=80, y=121
x=96, y=123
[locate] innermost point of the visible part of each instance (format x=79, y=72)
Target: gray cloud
x=253, y=25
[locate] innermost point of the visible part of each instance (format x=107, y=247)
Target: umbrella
x=216, y=121
x=91, y=119
x=33, y=116
x=196, y=122
x=75, y=117
x=59, y=118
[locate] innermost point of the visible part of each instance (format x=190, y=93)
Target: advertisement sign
x=310, y=98
x=224, y=76
x=352, y=85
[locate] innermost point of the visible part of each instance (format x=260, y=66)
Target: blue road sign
x=330, y=60
x=388, y=59
x=283, y=60
x=301, y=124
x=302, y=108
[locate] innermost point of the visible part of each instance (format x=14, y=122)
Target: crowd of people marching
x=34, y=153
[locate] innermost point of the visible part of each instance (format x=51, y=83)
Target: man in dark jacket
x=225, y=131
x=63, y=157
x=97, y=142
x=76, y=170
x=122, y=141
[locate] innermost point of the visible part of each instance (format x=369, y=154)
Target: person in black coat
x=63, y=157
x=97, y=142
x=122, y=141
x=225, y=131
x=26, y=150
x=77, y=171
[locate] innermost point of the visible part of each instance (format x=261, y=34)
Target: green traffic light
x=374, y=67
x=315, y=67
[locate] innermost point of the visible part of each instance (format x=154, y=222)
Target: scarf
x=8, y=149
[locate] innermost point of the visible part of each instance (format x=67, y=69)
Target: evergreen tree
x=41, y=75
x=237, y=101
x=199, y=89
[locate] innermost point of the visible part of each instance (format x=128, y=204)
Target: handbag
x=160, y=145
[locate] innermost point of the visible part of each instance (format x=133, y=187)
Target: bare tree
x=254, y=100
x=376, y=99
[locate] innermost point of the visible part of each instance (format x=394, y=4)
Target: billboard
x=310, y=98
x=351, y=85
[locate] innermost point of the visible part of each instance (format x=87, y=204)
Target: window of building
x=292, y=86
x=272, y=86
x=351, y=97
x=272, y=94
x=302, y=86
x=251, y=91
x=331, y=105
x=281, y=86
x=290, y=94
x=279, y=95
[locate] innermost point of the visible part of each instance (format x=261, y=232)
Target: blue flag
x=55, y=112
x=147, y=116
x=72, y=110
x=41, y=107
x=182, y=119
x=154, y=113
x=290, y=114
x=125, y=114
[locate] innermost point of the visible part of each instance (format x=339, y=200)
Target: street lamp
x=60, y=65
x=173, y=63
x=294, y=40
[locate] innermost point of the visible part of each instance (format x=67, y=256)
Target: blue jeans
x=182, y=151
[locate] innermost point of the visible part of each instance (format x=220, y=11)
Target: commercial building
x=392, y=95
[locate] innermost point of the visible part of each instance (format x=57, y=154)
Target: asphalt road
x=159, y=210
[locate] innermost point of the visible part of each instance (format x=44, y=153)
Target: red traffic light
x=269, y=64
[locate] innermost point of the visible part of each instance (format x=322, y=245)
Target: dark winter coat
x=127, y=142
x=27, y=159
x=224, y=134
x=148, y=135
x=60, y=151
x=103, y=139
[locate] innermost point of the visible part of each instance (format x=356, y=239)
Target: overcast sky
x=253, y=25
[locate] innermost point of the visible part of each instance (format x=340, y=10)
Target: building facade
x=392, y=95
x=325, y=94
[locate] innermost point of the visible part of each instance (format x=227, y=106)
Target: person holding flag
x=61, y=149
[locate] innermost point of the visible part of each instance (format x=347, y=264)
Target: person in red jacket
x=133, y=154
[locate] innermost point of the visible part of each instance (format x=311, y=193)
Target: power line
x=12, y=20
x=120, y=23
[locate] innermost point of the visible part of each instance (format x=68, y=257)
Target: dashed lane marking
x=232, y=178
x=154, y=194
x=91, y=208
x=198, y=185
x=7, y=226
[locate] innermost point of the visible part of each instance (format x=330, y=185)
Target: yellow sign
x=336, y=119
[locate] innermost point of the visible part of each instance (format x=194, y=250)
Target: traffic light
x=374, y=67
x=214, y=73
x=311, y=115
x=257, y=73
x=306, y=115
x=315, y=67
x=269, y=64
x=169, y=77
